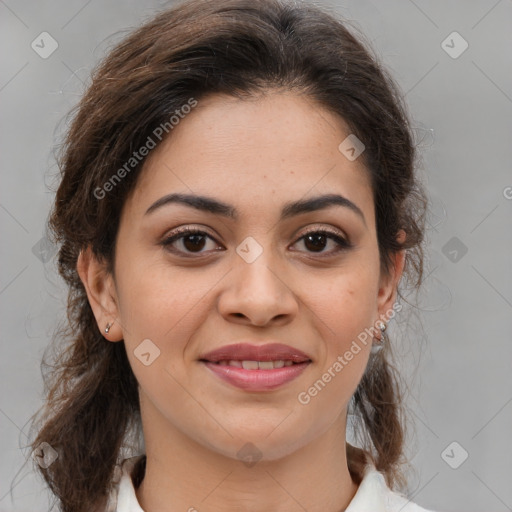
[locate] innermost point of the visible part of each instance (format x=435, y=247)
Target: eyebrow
x=210, y=205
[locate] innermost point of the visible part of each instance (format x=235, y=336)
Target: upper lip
x=250, y=352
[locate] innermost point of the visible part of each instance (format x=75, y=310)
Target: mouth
x=256, y=367
x=254, y=357
x=256, y=380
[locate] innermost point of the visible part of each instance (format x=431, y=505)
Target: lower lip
x=257, y=380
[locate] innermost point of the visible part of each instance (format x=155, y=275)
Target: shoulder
x=374, y=494
x=122, y=497
x=397, y=502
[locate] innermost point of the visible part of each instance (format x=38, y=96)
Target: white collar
x=373, y=495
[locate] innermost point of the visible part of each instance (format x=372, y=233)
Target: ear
x=389, y=282
x=101, y=292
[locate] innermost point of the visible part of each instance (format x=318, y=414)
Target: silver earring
x=107, y=328
x=378, y=345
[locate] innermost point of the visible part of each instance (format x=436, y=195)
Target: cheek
x=155, y=299
x=166, y=306
x=343, y=311
x=162, y=305
x=346, y=306
x=327, y=394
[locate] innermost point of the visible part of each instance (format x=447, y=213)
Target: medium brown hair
x=197, y=48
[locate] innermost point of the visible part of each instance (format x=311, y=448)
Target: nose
x=257, y=294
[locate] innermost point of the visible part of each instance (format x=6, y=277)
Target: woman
x=237, y=207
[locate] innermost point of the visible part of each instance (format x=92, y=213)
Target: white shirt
x=373, y=495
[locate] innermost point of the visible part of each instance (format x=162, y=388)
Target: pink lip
x=249, y=352
x=257, y=380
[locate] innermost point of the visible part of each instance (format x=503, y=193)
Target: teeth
x=250, y=365
x=256, y=365
x=266, y=365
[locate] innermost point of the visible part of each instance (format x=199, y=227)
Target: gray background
x=459, y=364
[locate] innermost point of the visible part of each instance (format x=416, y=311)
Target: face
x=309, y=279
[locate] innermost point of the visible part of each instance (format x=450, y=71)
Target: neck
x=183, y=475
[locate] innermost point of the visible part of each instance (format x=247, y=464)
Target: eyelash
x=181, y=233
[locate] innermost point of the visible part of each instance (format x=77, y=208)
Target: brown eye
x=316, y=241
x=192, y=241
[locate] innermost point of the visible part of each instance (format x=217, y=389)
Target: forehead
x=254, y=153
